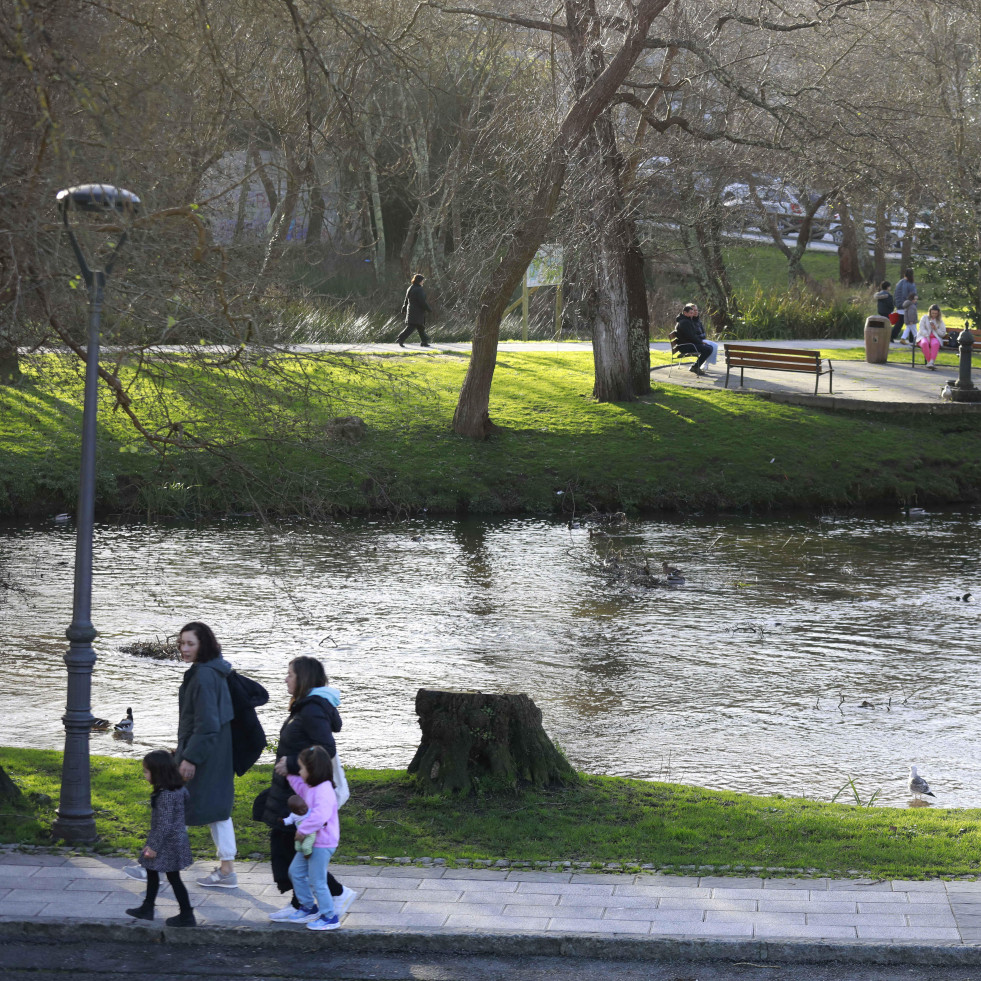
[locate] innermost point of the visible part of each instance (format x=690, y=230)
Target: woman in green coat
x=204, y=745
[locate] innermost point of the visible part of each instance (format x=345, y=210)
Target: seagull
x=946, y=394
x=917, y=785
x=125, y=724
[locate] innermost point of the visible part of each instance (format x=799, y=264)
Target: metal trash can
x=877, y=331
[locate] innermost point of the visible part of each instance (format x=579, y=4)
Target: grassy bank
x=604, y=820
x=679, y=449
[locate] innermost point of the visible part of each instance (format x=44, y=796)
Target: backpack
x=248, y=736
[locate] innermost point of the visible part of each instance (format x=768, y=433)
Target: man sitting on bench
x=691, y=334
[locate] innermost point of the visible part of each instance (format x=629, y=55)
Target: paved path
x=450, y=904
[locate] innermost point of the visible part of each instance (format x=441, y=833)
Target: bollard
x=964, y=390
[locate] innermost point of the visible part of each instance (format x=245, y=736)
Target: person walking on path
x=691, y=334
x=167, y=848
x=414, y=309
x=313, y=720
x=204, y=746
x=930, y=335
x=308, y=871
x=905, y=299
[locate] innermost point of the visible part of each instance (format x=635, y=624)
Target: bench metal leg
x=727, y=377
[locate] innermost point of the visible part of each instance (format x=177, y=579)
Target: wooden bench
x=678, y=348
x=743, y=356
x=951, y=332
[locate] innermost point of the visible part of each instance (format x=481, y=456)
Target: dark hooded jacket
x=313, y=720
x=690, y=330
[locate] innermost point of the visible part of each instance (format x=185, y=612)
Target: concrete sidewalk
x=466, y=909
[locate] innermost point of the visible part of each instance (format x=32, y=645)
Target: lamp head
x=98, y=197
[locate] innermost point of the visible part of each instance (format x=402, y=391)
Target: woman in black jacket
x=312, y=721
x=414, y=309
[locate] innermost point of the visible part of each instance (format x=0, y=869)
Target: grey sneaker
x=215, y=878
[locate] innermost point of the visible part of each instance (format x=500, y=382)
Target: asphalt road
x=155, y=961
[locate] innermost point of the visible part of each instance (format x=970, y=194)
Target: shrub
x=797, y=314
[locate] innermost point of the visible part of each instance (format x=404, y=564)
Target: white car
x=783, y=201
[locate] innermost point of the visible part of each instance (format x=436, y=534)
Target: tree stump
x=9, y=791
x=478, y=742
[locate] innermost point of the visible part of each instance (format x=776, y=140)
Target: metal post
x=76, y=819
x=964, y=389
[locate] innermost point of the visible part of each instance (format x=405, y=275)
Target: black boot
x=143, y=912
x=184, y=918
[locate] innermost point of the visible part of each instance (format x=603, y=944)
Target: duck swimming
x=125, y=724
x=100, y=724
x=672, y=573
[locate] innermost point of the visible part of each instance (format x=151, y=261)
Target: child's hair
x=316, y=761
x=885, y=284
x=163, y=771
x=297, y=805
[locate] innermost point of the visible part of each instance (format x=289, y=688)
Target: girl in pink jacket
x=309, y=874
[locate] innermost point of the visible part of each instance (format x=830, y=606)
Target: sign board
x=546, y=267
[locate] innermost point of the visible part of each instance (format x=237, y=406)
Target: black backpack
x=248, y=736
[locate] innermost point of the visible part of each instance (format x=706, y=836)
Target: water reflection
x=751, y=676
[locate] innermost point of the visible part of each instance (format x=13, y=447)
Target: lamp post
x=76, y=820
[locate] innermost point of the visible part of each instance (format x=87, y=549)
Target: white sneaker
x=344, y=900
x=283, y=914
x=215, y=878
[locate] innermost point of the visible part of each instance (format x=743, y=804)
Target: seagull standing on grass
x=917, y=785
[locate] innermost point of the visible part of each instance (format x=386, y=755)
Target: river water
x=750, y=676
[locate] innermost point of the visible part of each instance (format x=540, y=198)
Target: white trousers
x=223, y=835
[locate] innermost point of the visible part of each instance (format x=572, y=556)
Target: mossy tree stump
x=478, y=742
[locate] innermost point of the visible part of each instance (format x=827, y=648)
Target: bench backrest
x=677, y=345
x=757, y=356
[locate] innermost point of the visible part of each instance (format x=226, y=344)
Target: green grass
x=678, y=449
x=605, y=819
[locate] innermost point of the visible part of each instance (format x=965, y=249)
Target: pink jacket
x=322, y=816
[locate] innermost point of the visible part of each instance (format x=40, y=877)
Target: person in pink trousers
x=930, y=334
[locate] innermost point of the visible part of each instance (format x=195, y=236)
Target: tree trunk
x=639, y=328
x=879, y=246
x=906, y=248
x=318, y=207
x=477, y=742
x=849, y=271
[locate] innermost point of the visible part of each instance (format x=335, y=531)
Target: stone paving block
x=859, y=885
x=857, y=919
x=806, y=906
x=105, y=885
x=965, y=898
x=410, y=872
x=513, y=898
x=928, y=909
x=611, y=902
x=805, y=933
x=366, y=871
x=564, y=889
x=577, y=912
x=60, y=872
x=564, y=924
x=461, y=909
x=745, y=905
x=757, y=919
x=529, y=875
x=722, y=882
x=909, y=934
x=757, y=894
x=378, y=906
x=42, y=896
x=962, y=885
x=3, y=892
x=217, y=914
x=489, y=874
x=20, y=908
x=200, y=897
x=658, y=891
x=503, y=924
x=918, y=885
x=809, y=885
x=597, y=878
x=407, y=920
x=638, y=913
x=35, y=860
x=484, y=888
x=77, y=911
x=670, y=881
x=408, y=895
x=926, y=920
x=670, y=928
x=883, y=896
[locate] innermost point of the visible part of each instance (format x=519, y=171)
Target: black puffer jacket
x=312, y=722
x=414, y=306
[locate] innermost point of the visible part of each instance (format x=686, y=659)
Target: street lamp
x=76, y=820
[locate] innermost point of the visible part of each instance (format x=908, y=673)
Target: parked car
x=785, y=202
x=895, y=232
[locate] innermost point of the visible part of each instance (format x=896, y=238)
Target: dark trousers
x=704, y=352
x=180, y=890
x=281, y=852
x=409, y=328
